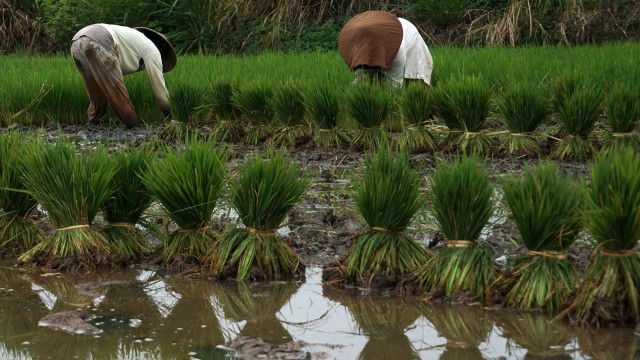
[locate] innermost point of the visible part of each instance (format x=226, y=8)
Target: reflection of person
x=104, y=53
x=379, y=44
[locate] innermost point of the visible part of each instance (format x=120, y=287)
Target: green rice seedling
x=263, y=194
x=415, y=105
x=388, y=197
x=469, y=97
x=523, y=108
x=461, y=198
x=188, y=184
x=609, y=291
x=124, y=209
x=17, y=232
x=288, y=105
x=444, y=108
x=253, y=102
x=370, y=105
x=186, y=102
x=71, y=187
x=578, y=111
x=223, y=110
x=546, y=209
x=322, y=103
x=622, y=107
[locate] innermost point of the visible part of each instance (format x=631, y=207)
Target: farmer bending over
x=377, y=44
x=104, y=53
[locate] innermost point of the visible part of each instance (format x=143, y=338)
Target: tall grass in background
x=546, y=208
x=461, y=201
x=71, y=187
x=288, y=106
x=17, y=232
x=523, y=108
x=370, y=105
x=415, y=106
x=622, y=108
x=264, y=193
x=188, y=184
x=252, y=100
x=322, y=103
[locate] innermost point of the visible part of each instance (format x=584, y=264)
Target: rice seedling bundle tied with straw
x=415, y=104
x=186, y=102
x=288, y=105
x=461, y=197
x=130, y=199
x=253, y=102
x=370, y=105
x=265, y=191
x=388, y=197
x=609, y=293
x=188, y=184
x=71, y=188
x=546, y=209
x=322, y=103
x=226, y=122
x=17, y=232
x=622, y=106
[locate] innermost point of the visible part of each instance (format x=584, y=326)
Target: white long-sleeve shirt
x=413, y=60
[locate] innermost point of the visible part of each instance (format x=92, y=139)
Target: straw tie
x=625, y=134
x=458, y=243
x=202, y=228
x=617, y=253
x=268, y=232
x=548, y=253
x=385, y=230
x=129, y=225
x=73, y=227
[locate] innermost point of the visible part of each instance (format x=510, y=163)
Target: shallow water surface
x=145, y=316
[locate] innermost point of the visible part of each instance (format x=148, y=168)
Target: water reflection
x=147, y=316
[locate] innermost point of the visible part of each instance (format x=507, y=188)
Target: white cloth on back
x=413, y=60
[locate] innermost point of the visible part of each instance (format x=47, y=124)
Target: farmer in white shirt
x=105, y=53
x=379, y=44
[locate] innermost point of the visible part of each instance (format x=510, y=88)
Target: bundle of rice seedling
x=523, y=108
x=370, y=105
x=609, y=290
x=288, y=105
x=536, y=333
x=578, y=107
x=546, y=209
x=622, y=106
x=186, y=102
x=253, y=102
x=415, y=105
x=223, y=110
x=263, y=194
x=188, y=184
x=322, y=103
x=17, y=232
x=387, y=197
x=71, y=188
x=461, y=201
x=129, y=200
x=444, y=108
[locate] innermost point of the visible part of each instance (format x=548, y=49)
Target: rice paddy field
x=493, y=216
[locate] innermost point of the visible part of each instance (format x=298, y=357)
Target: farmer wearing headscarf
x=104, y=53
x=379, y=44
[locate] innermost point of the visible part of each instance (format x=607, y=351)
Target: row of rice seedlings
x=546, y=209
x=71, y=187
x=370, y=105
x=17, y=232
x=387, y=198
x=252, y=100
x=188, y=184
x=415, y=106
x=622, y=106
x=262, y=195
x=288, y=106
x=130, y=198
x=461, y=198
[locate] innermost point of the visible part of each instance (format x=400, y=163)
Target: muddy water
x=142, y=315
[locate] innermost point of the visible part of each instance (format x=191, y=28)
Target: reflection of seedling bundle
x=129, y=200
x=257, y=306
x=17, y=233
x=288, y=105
x=609, y=343
x=610, y=289
x=546, y=208
x=461, y=196
x=265, y=191
x=188, y=184
x=523, y=108
x=463, y=327
x=322, y=102
x=578, y=107
x=537, y=334
x=415, y=105
x=387, y=198
x=185, y=102
x=253, y=102
x=71, y=188
x=370, y=105
x=623, y=114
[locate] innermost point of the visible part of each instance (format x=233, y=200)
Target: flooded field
x=139, y=314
